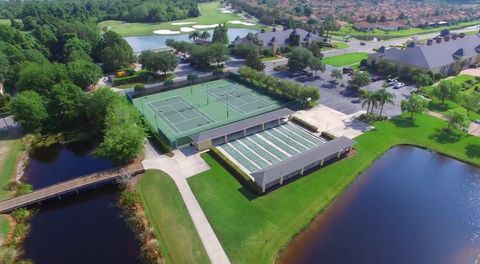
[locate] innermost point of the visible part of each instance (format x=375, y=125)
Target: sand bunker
x=241, y=22
x=187, y=29
x=226, y=11
x=166, y=32
x=182, y=23
x=204, y=26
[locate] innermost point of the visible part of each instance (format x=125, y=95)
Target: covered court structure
x=224, y=134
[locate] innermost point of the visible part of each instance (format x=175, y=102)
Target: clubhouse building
x=444, y=54
x=277, y=39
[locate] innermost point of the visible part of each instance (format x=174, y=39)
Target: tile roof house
x=390, y=25
x=446, y=55
x=365, y=26
x=277, y=39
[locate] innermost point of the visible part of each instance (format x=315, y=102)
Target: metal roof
x=297, y=162
x=281, y=37
x=437, y=54
x=241, y=125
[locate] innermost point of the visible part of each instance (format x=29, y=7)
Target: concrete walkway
x=186, y=163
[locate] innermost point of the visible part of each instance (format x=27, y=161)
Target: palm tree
x=205, y=36
x=384, y=97
x=368, y=98
x=249, y=37
x=194, y=35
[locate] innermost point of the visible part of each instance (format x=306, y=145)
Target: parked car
x=398, y=85
x=375, y=78
x=347, y=70
x=392, y=80
x=363, y=43
x=476, y=121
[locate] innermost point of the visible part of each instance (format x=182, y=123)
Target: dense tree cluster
x=202, y=56
x=38, y=13
x=286, y=89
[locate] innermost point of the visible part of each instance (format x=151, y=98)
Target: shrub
x=328, y=136
x=371, y=117
x=280, y=68
x=304, y=124
x=128, y=199
x=24, y=188
x=20, y=231
x=139, y=87
x=21, y=215
x=141, y=76
x=168, y=83
x=217, y=72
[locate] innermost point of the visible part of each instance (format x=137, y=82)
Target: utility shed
x=298, y=164
x=221, y=135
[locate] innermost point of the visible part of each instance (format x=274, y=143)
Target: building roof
x=282, y=37
x=297, y=162
x=435, y=55
x=240, y=125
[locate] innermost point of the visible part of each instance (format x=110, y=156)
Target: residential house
x=364, y=26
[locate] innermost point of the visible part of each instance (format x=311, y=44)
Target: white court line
x=199, y=112
x=290, y=138
x=258, y=145
x=295, y=132
x=241, y=154
x=288, y=145
x=256, y=154
x=273, y=145
x=162, y=120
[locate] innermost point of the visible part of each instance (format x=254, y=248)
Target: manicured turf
x=254, y=229
x=348, y=30
x=167, y=214
x=337, y=45
x=437, y=106
x=209, y=14
x=12, y=145
x=348, y=59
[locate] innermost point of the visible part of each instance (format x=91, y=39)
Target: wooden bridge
x=74, y=185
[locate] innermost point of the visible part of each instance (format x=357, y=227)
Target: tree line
x=34, y=13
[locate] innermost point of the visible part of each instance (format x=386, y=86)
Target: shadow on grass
x=443, y=136
x=247, y=193
x=403, y=122
x=472, y=151
x=437, y=106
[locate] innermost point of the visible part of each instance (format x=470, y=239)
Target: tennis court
x=178, y=114
x=271, y=146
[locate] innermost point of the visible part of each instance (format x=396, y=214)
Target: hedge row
x=304, y=124
x=158, y=141
x=235, y=170
x=140, y=76
x=328, y=136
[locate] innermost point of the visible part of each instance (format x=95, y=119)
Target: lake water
x=411, y=206
x=141, y=43
x=78, y=229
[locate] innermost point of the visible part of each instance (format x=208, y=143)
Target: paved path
x=186, y=163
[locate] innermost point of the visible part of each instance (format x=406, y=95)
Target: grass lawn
x=10, y=147
x=338, y=45
x=347, y=59
x=463, y=80
x=167, y=214
x=348, y=30
x=209, y=14
x=253, y=229
x=5, y=22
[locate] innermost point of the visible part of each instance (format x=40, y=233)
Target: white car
x=398, y=85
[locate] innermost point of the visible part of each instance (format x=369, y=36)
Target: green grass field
x=437, y=106
x=4, y=22
x=348, y=59
x=338, y=46
x=209, y=14
x=12, y=145
x=167, y=214
x=348, y=30
x=254, y=229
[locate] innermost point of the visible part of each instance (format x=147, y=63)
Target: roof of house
x=240, y=125
x=297, y=162
x=435, y=55
x=282, y=37
x=363, y=25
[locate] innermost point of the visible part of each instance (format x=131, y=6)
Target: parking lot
x=336, y=96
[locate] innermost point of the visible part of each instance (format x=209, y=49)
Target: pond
x=84, y=228
x=410, y=206
x=141, y=43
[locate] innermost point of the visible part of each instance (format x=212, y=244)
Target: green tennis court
x=177, y=114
